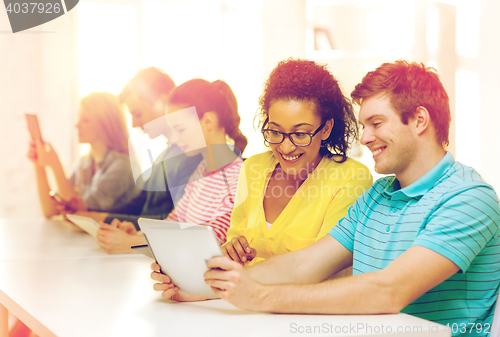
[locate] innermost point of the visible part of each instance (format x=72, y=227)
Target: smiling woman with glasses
x=293, y=195
x=297, y=138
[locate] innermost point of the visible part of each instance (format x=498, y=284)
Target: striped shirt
x=451, y=211
x=209, y=198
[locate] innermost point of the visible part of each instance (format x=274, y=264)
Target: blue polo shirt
x=451, y=211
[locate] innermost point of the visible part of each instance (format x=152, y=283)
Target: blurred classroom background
x=101, y=44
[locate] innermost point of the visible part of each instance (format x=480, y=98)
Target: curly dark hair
x=303, y=80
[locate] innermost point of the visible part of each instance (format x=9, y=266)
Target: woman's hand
x=113, y=240
x=239, y=250
x=46, y=155
x=170, y=291
x=76, y=203
x=63, y=208
x=32, y=155
x=126, y=226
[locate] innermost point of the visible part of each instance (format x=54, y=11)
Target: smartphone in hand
x=34, y=127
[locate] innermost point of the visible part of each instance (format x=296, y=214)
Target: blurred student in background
x=209, y=196
x=102, y=180
x=203, y=117
x=145, y=96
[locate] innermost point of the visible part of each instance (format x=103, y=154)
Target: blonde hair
x=106, y=113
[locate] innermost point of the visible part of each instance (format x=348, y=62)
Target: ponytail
x=230, y=117
x=216, y=96
x=240, y=141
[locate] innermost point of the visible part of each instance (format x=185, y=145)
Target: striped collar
x=420, y=187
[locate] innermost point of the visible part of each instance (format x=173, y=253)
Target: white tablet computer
x=182, y=250
x=87, y=224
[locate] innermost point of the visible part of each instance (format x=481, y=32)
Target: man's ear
x=327, y=129
x=160, y=104
x=422, y=120
x=164, y=98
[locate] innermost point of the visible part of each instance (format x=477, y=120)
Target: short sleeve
x=238, y=214
x=346, y=195
x=345, y=229
x=462, y=224
x=109, y=185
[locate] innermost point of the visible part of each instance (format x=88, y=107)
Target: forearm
x=138, y=239
x=389, y=290
x=48, y=205
x=361, y=294
x=65, y=189
x=307, y=265
x=286, y=268
x=277, y=270
x=125, y=244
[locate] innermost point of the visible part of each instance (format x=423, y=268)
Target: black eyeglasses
x=297, y=138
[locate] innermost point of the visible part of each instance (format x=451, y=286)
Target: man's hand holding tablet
x=182, y=250
x=228, y=279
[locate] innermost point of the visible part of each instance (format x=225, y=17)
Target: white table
x=58, y=281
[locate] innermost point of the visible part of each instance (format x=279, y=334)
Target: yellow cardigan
x=317, y=206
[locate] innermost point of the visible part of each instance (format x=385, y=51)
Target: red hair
x=409, y=86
